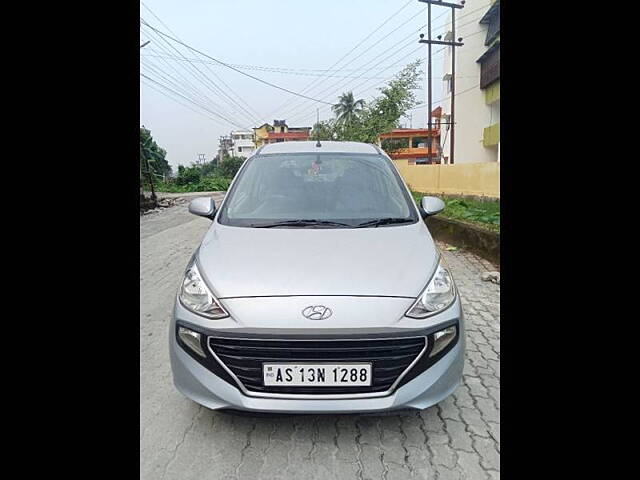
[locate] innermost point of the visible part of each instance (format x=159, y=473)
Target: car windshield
x=317, y=191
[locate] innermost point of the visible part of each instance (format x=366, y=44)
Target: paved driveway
x=457, y=439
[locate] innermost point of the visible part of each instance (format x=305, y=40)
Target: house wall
x=260, y=135
x=242, y=147
x=472, y=112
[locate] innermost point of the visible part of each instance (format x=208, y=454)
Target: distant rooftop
x=288, y=135
x=310, y=147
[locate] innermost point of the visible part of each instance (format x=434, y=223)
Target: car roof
x=326, y=147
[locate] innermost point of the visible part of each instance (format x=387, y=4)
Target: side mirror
x=431, y=205
x=203, y=206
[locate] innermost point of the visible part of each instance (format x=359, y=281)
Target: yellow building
x=260, y=134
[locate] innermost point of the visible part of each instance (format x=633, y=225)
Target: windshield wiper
x=300, y=223
x=384, y=221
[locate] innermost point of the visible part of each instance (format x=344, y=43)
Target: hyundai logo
x=317, y=312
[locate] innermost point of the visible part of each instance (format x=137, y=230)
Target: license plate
x=317, y=374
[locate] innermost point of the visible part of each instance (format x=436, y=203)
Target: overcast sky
x=299, y=37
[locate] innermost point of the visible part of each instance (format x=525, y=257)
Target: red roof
x=288, y=135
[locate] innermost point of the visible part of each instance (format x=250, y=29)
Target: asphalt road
x=457, y=439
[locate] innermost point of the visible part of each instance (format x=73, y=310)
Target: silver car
x=318, y=288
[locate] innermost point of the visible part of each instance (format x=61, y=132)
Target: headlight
x=439, y=294
x=196, y=296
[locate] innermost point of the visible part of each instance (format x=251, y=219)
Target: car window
x=345, y=188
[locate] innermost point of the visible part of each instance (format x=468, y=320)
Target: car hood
x=259, y=262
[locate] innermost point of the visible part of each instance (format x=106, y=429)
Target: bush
x=207, y=184
x=484, y=213
x=229, y=167
x=203, y=178
x=187, y=175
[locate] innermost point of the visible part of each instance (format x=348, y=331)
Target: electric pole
x=452, y=44
x=201, y=158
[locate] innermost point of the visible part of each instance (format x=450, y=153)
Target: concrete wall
x=482, y=179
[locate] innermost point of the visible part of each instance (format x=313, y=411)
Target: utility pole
x=452, y=44
x=154, y=199
x=201, y=158
x=153, y=193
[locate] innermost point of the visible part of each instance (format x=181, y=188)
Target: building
x=411, y=143
x=260, y=134
x=279, y=132
x=242, y=143
x=477, y=85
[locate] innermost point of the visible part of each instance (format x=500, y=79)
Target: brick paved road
x=457, y=439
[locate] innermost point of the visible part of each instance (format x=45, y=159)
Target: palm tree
x=347, y=109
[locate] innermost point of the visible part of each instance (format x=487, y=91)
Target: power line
x=209, y=85
x=178, y=85
x=383, y=60
x=266, y=68
x=232, y=68
x=181, y=103
x=420, y=105
x=424, y=104
x=297, y=106
x=190, y=88
x=380, y=83
x=252, y=112
x=379, y=40
x=317, y=82
x=263, y=69
x=215, y=88
x=189, y=100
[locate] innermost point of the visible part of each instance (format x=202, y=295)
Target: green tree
x=229, y=166
x=348, y=109
x=324, y=130
x=384, y=112
x=189, y=175
x=152, y=155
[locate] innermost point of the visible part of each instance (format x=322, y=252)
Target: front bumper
x=431, y=386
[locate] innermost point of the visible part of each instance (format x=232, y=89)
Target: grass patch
x=482, y=213
x=206, y=184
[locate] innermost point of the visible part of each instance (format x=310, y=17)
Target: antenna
x=318, y=144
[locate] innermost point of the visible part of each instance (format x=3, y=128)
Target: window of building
x=419, y=142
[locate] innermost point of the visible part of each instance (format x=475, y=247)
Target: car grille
x=389, y=358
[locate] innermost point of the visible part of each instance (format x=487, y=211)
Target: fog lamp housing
x=442, y=338
x=191, y=340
